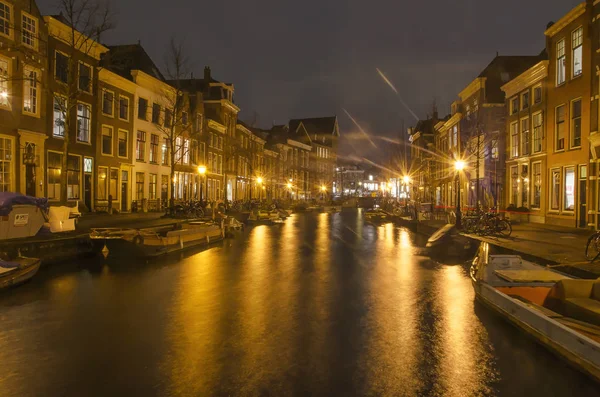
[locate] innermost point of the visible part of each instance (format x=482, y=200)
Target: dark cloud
x=314, y=57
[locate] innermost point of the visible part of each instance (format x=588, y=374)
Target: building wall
x=567, y=174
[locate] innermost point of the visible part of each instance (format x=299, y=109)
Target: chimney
x=207, y=73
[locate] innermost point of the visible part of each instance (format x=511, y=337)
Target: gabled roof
x=122, y=59
x=501, y=70
x=323, y=128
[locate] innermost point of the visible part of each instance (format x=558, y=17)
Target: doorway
x=30, y=180
x=87, y=191
x=124, y=185
x=582, y=222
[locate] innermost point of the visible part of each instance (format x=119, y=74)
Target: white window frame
x=112, y=140
x=56, y=98
x=541, y=132
x=5, y=83
x=112, y=105
x=90, y=88
x=551, y=189
x=10, y=21
x=522, y=104
x=533, y=185
x=11, y=163
x=56, y=67
x=514, y=131
x=89, y=137
x=577, y=44
x=34, y=34
x=128, y=107
x=120, y=130
x=572, y=124
x=521, y=131
x=564, y=188
x=27, y=90
x=556, y=148
x=561, y=58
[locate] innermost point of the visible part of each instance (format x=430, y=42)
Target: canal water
x=324, y=304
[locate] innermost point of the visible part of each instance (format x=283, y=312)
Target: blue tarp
x=7, y=200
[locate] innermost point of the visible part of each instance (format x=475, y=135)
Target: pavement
x=560, y=247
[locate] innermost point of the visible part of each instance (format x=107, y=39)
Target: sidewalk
x=554, y=245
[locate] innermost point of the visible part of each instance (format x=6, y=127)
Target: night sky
x=293, y=59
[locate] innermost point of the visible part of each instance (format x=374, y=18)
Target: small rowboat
x=17, y=271
x=332, y=208
x=559, y=312
x=156, y=241
x=377, y=215
x=264, y=217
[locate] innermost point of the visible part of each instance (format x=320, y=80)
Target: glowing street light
x=202, y=172
x=406, y=179
x=259, y=180
x=289, y=185
x=3, y=94
x=323, y=188
x=459, y=165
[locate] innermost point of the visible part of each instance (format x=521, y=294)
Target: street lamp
x=259, y=180
x=459, y=165
x=323, y=190
x=202, y=172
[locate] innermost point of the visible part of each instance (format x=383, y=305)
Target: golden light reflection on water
x=394, y=348
x=193, y=330
x=461, y=370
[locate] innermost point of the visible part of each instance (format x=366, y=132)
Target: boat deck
x=513, y=271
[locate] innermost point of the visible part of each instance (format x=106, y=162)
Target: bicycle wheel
x=504, y=228
x=592, y=248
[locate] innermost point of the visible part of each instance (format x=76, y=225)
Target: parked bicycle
x=592, y=248
x=486, y=223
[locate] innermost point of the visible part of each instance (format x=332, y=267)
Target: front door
x=87, y=191
x=30, y=180
x=124, y=189
x=582, y=196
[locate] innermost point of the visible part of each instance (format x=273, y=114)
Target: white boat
x=560, y=312
x=264, y=217
x=332, y=208
x=155, y=241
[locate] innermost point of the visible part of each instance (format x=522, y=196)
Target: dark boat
x=17, y=271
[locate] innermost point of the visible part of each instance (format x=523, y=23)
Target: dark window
x=85, y=76
x=142, y=108
x=62, y=67
x=140, y=147
x=107, y=103
x=153, y=148
x=576, y=123
x=168, y=118
x=124, y=108
x=123, y=143
x=155, y=113
x=525, y=100
x=107, y=135
x=537, y=95
x=184, y=118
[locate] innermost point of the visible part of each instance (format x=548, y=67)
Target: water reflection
x=323, y=304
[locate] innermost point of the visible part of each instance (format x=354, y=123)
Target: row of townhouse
x=102, y=126
x=527, y=127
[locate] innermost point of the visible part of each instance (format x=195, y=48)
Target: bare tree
x=177, y=127
x=86, y=21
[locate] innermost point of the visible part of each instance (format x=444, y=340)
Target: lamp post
x=202, y=172
x=406, y=180
x=323, y=190
x=459, y=165
x=259, y=180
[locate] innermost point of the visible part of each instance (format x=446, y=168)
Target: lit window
x=560, y=62
x=577, y=37
x=569, y=197
x=114, y=182
x=30, y=91
x=29, y=31
x=186, y=151
x=140, y=146
x=54, y=161
x=73, y=177
x=514, y=185
x=102, y=183
x=4, y=76
x=6, y=158
x=514, y=142
x=152, y=181
x=83, y=123
x=555, y=196
x=153, y=148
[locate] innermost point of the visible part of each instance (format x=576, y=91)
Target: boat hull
x=20, y=276
x=578, y=350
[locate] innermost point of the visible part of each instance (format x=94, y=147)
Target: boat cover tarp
x=530, y=276
x=8, y=200
x=8, y=264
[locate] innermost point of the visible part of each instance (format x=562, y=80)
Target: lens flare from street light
x=323, y=188
x=202, y=170
x=459, y=165
x=4, y=94
x=406, y=179
x=289, y=185
x=259, y=180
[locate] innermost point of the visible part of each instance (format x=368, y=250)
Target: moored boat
x=149, y=242
x=17, y=271
x=263, y=217
x=558, y=311
x=377, y=215
x=332, y=208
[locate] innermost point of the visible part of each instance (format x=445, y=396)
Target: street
x=323, y=304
